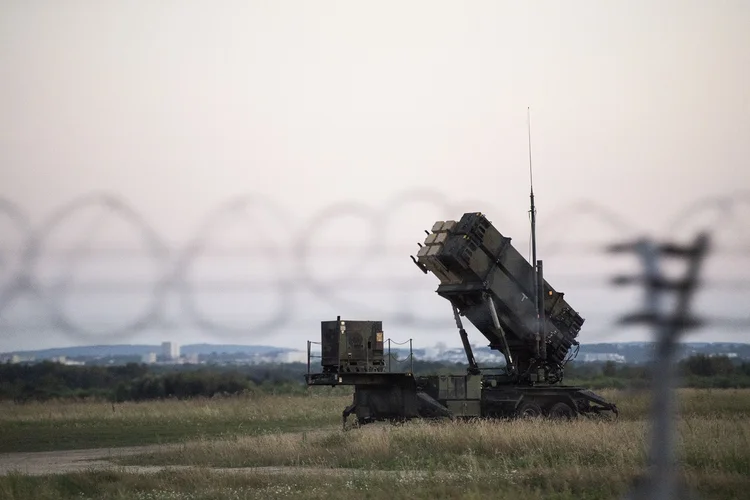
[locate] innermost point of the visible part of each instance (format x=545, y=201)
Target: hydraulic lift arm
x=473, y=367
x=499, y=328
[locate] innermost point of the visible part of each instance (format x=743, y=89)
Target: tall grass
x=714, y=432
x=54, y=425
x=66, y=425
x=318, y=403
x=256, y=407
x=581, y=459
x=720, y=445
x=562, y=483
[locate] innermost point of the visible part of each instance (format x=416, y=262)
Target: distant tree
x=702, y=365
x=609, y=369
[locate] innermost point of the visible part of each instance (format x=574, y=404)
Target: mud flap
x=595, y=398
x=347, y=411
x=428, y=407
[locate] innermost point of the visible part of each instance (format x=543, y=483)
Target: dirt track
x=56, y=462
x=64, y=461
x=61, y=462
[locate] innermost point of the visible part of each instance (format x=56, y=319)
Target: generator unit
x=352, y=346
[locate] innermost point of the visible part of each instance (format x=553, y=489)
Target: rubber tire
x=561, y=411
x=528, y=409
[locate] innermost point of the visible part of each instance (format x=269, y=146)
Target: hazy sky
x=642, y=107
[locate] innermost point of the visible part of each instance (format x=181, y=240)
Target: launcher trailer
x=487, y=281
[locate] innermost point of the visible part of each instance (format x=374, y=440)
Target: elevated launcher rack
x=488, y=282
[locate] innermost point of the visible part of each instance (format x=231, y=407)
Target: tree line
x=139, y=382
x=697, y=371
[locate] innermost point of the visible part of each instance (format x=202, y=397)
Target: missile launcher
x=489, y=282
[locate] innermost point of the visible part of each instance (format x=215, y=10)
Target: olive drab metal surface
x=475, y=262
x=487, y=281
x=352, y=346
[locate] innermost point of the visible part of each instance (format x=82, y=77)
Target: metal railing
x=409, y=358
x=310, y=355
x=389, y=355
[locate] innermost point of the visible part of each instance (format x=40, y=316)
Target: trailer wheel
x=561, y=411
x=529, y=409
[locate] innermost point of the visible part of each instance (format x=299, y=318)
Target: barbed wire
x=290, y=271
x=291, y=265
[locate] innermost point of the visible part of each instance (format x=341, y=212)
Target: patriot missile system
x=487, y=281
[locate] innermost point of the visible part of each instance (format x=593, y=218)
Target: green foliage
x=698, y=371
x=711, y=366
x=138, y=382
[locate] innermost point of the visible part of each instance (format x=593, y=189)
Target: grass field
x=67, y=425
x=521, y=459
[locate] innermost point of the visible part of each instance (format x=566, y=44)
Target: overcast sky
x=176, y=107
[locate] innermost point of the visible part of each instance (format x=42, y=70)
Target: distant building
x=727, y=354
x=149, y=358
x=292, y=357
x=65, y=361
x=603, y=356
x=10, y=358
x=170, y=351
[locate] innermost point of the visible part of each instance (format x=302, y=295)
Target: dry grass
x=62, y=425
x=255, y=408
x=720, y=445
x=484, y=459
x=710, y=403
x=713, y=431
x=562, y=483
x=530, y=459
x=633, y=405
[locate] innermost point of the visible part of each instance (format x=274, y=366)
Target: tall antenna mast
x=537, y=267
x=533, y=214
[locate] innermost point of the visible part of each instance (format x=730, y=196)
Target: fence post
x=308, y=357
x=411, y=358
x=389, y=355
x=661, y=482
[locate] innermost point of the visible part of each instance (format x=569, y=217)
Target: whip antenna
x=536, y=265
x=532, y=212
